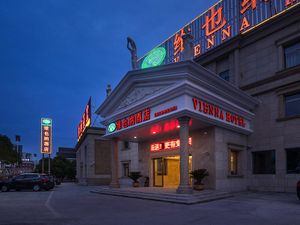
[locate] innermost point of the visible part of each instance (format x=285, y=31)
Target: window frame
x=253, y=164
x=297, y=171
x=288, y=45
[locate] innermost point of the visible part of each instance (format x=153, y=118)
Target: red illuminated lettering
x=146, y=114
x=246, y=4
x=197, y=50
x=245, y=24
x=125, y=123
x=195, y=103
x=213, y=110
x=168, y=145
x=132, y=120
x=119, y=125
x=226, y=33
x=138, y=117
x=211, y=41
x=214, y=22
x=178, y=42
x=289, y=2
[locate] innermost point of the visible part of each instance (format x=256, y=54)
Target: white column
x=114, y=164
x=184, y=187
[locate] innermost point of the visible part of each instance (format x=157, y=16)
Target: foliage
x=199, y=175
x=8, y=153
x=59, y=166
x=135, y=176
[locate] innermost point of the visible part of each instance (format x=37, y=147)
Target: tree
x=60, y=167
x=7, y=152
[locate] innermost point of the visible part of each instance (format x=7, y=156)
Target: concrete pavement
x=72, y=204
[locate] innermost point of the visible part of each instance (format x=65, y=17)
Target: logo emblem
x=154, y=58
x=111, y=127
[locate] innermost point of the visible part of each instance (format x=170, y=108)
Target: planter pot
x=198, y=187
x=135, y=184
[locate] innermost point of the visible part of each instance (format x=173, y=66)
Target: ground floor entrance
x=166, y=171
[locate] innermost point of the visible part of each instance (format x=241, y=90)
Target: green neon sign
x=46, y=122
x=154, y=58
x=111, y=127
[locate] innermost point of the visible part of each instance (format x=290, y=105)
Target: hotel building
x=233, y=108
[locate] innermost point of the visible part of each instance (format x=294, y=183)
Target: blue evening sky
x=54, y=54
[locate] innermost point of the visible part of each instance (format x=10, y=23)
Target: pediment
x=141, y=93
x=141, y=86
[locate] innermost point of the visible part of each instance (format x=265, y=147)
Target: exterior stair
x=164, y=196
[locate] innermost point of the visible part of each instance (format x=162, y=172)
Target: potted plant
x=135, y=176
x=198, y=175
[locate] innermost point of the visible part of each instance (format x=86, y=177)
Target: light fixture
x=178, y=126
x=134, y=137
x=154, y=132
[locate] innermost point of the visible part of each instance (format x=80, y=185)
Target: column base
x=184, y=190
x=114, y=185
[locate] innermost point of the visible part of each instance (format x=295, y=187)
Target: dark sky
x=54, y=54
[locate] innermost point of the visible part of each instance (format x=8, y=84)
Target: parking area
x=73, y=204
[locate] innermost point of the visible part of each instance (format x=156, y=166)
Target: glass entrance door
x=158, y=171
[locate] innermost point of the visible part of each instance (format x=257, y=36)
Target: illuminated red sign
x=217, y=112
x=167, y=145
x=165, y=111
x=46, y=136
x=85, y=120
x=133, y=119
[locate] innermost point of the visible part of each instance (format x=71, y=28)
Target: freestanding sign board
x=46, y=136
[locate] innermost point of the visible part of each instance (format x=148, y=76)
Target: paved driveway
x=73, y=204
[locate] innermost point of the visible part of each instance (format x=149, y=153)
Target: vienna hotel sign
x=223, y=21
x=214, y=111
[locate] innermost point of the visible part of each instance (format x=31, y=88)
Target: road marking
x=49, y=207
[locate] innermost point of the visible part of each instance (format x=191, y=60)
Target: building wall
x=89, y=169
x=127, y=155
x=256, y=61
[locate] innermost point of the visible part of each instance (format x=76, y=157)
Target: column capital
x=184, y=119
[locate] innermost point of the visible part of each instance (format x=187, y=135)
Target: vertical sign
x=85, y=120
x=46, y=136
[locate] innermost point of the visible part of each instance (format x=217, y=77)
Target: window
x=126, y=145
x=263, y=162
x=126, y=169
x=292, y=105
x=293, y=161
x=225, y=75
x=233, y=162
x=292, y=55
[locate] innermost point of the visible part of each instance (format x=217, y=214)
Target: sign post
x=46, y=140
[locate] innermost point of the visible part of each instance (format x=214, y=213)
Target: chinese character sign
x=223, y=21
x=85, y=120
x=129, y=121
x=46, y=136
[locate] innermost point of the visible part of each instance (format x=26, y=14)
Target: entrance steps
x=164, y=194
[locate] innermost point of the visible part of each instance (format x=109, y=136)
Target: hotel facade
x=232, y=108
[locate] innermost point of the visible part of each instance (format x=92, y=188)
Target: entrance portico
x=161, y=108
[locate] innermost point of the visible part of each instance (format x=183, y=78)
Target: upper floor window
x=292, y=105
x=225, y=75
x=263, y=162
x=293, y=160
x=292, y=55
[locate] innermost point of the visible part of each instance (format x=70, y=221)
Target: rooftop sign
x=223, y=21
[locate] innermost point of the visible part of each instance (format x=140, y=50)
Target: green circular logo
x=154, y=58
x=46, y=121
x=111, y=127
